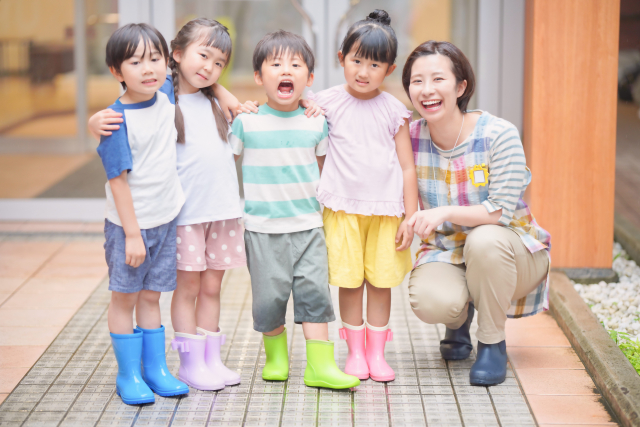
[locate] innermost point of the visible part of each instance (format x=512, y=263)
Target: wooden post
x=571, y=62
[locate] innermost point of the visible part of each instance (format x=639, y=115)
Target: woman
x=481, y=245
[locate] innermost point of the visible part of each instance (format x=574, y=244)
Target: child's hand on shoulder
x=248, y=107
x=404, y=236
x=135, y=251
x=103, y=122
x=312, y=109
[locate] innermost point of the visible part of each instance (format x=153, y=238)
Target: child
x=284, y=238
x=368, y=185
x=144, y=198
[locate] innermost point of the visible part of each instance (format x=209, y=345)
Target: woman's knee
x=435, y=307
x=488, y=244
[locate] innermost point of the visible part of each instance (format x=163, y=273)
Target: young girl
x=368, y=185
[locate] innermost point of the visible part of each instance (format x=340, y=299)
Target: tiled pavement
x=73, y=382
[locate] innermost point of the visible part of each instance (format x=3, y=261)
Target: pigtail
x=179, y=120
x=221, y=121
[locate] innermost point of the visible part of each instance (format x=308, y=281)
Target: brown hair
x=214, y=34
x=278, y=42
x=460, y=66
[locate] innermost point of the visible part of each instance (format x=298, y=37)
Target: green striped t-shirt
x=280, y=172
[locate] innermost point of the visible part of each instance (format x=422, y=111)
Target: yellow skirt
x=364, y=247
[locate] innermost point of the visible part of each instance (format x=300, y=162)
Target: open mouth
x=432, y=105
x=149, y=82
x=285, y=89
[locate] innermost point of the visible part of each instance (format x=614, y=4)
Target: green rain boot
x=276, y=367
x=322, y=370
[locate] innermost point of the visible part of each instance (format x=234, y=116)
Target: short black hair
x=124, y=41
x=373, y=38
x=276, y=43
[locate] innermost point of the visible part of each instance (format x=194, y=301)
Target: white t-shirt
x=206, y=166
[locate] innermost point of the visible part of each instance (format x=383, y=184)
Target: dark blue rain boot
x=456, y=344
x=154, y=365
x=129, y=383
x=490, y=367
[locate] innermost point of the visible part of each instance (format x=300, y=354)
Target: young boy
x=284, y=238
x=144, y=197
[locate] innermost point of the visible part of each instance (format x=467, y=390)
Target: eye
x=438, y=78
x=375, y=65
x=135, y=62
x=219, y=64
x=203, y=55
x=416, y=81
x=357, y=61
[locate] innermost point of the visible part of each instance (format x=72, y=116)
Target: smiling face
x=144, y=73
x=364, y=76
x=284, y=77
x=200, y=66
x=433, y=88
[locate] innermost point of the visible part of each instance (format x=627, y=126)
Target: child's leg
x=183, y=302
x=378, y=306
x=208, y=305
x=276, y=331
x=315, y=331
x=350, y=300
x=148, y=309
x=120, y=315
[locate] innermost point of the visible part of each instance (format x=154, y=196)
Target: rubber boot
x=456, y=344
x=276, y=367
x=129, y=383
x=490, y=367
x=379, y=369
x=193, y=368
x=154, y=365
x=214, y=341
x=356, y=362
x=322, y=370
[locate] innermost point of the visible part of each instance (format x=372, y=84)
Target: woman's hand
x=424, y=222
x=404, y=236
x=312, y=109
x=103, y=122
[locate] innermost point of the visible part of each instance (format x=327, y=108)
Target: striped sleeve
x=507, y=171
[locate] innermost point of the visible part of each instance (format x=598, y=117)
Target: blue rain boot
x=490, y=367
x=129, y=384
x=154, y=365
x=456, y=344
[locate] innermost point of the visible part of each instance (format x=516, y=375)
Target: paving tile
x=556, y=382
x=21, y=356
x=544, y=358
x=569, y=410
x=537, y=337
x=10, y=377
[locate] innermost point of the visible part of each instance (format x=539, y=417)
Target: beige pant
x=499, y=269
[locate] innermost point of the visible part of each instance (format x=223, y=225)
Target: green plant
x=630, y=347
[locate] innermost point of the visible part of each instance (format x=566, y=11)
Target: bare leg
x=208, y=304
x=148, y=310
x=315, y=331
x=120, y=315
x=350, y=301
x=276, y=331
x=378, y=305
x=183, y=303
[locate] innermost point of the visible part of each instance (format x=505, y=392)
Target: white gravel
x=617, y=305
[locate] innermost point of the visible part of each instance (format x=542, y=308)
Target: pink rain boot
x=379, y=369
x=214, y=341
x=356, y=363
x=193, y=369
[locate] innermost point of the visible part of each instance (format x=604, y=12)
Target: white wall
x=159, y=13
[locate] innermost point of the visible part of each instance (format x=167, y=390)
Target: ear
x=116, y=74
x=461, y=88
x=258, y=78
x=341, y=58
x=177, y=55
x=390, y=69
x=310, y=80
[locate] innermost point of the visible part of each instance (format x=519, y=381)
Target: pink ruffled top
x=361, y=173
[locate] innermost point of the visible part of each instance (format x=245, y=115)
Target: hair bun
x=380, y=16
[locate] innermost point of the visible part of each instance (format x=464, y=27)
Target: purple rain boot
x=193, y=369
x=214, y=341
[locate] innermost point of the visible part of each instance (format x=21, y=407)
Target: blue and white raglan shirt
x=145, y=146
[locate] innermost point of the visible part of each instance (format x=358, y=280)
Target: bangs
x=149, y=38
x=216, y=37
x=281, y=43
x=374, y=45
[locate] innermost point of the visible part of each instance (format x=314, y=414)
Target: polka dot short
x=217, y=245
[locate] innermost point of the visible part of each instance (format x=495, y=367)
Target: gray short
x=156, y=273
x=282, y=263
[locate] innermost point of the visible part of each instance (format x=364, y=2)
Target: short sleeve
x=236, y=139
x=398, y=113
x=115, y=152
x=321, y=148
x=507, y=173
x=167, y=89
